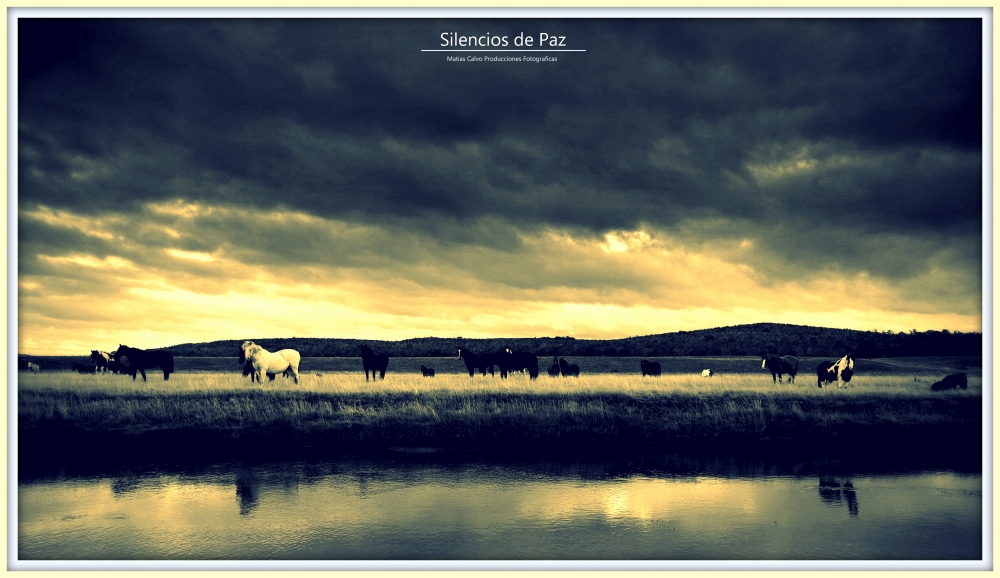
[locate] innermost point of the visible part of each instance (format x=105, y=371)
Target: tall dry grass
x=449, y=408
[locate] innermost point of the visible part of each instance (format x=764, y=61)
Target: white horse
x=33, y=368
x=707, y=373
x=265, y=362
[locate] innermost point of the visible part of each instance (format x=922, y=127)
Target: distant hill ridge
x=753, y=339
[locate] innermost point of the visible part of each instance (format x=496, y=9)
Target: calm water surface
x=355, y=509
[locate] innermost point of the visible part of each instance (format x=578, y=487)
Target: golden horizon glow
x=624, y=284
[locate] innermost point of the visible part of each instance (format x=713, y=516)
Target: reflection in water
x=834, y=493
x=371, y=509
x=246, y=491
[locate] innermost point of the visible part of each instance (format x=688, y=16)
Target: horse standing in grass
x=523, y=360
x=474, y=361
x=270, y=363
x=427, y=371
x=707, y=373
x=554, y=369
x=33, y=368
x=100, y=359
x=779, y=366
x=650, y=367
x=373, y=362
x=567, y=370
x=142, y=359
x=840, y=370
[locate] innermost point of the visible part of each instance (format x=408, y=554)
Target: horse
x=779, y=366
x=522, y=360
x=566, y=369
x=554, y=368
x=840, y=370
x=116, y=367
x=373, y=362
x=33, y=368
x=84, y=368
x=142, y=359
x=707, y=373
x=427, y=371
x=100, y=359
x=501, y=360
x=951, y=382
x=650, y=368
x=958, y=379
x=270, y=363
x=480, y=362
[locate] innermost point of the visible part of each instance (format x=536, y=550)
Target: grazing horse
x=33, y=368
x=523, y=360
x=554, y=368
x=427, y=371
x=779, y=366
x=566, y=369
x=84, y=368
x=100, y=359
x=840, y=370
x=373, y=362
x=951, y=382
x=707, y=373
x=650, y=367
x=142, y=359
x=270, y=363
x=116, y=367
x=958, y=379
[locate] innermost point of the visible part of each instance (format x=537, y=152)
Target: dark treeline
x=752, y=339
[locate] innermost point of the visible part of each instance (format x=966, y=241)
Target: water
x=441, y=509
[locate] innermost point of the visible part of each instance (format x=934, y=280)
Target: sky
x=190, y=180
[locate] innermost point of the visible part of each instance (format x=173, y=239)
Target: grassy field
x=339, y=407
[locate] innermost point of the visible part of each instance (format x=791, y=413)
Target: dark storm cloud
x=842, y=127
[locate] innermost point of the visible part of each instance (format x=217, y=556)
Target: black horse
x=84, y=368
x=142, y=359
x=951, y=382
x=474, y=361
x=427, y=371
x=554, y=368
x=522, y=360
x=650, y=367
x=779, y=366
x=567, y=370
x=373, y=362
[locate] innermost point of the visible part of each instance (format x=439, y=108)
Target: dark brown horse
x=373, y=362
x=142, y=359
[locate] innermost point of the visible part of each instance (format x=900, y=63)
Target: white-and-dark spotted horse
x=101, y=360
x=33, y=367
x=707, y=373
x=267, y=362
x=779, y=366
x=840, y=371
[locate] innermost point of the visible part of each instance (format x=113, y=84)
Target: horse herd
x=258, y=362
x=840, y=370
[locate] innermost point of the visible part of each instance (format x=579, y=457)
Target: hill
x=751, y=339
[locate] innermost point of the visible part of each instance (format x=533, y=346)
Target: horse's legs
x=166, y=375
x=143, y=371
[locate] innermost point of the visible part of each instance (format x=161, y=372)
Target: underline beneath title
x=503, y=51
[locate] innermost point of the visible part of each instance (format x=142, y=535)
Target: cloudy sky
x=200, y=179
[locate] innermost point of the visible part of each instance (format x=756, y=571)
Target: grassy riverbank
x=452, y=410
